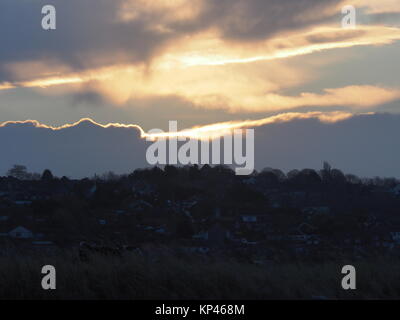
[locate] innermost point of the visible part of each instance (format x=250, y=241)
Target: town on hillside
x=203, y=211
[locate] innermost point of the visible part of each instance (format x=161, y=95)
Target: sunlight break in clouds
x=356, y=97
x=204, y=73
x=209, y=49
x=210, y=131
x=217, y=130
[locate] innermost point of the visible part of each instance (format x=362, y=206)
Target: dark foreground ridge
x=189, y=278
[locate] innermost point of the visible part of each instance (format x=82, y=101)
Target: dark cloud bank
x=365, y=145
x=89, y=34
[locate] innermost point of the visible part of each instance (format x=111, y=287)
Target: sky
x=146, y=62
x=365, y=145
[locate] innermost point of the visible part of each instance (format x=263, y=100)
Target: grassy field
x=177, y=278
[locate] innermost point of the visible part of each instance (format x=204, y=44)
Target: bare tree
x=19, y=172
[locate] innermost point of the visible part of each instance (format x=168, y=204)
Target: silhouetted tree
x=19, y=172
x=269, y=177
x=337, y=177
x=326, y=172
x=110, y=176
x=194, y=171
x=47, y=175
x=292, y=174
x=351, y=178
x=171, y=171
x=308, y=177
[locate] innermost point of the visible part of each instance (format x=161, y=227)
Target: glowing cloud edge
x=210, y=131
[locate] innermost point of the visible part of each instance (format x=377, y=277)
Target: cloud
x=361, y=144
x=209, y=49
x=364, y=145
x=355, y=97
x=167, y=12
x=217, y=130
x=78, y=150
x=225, y=55
x=210, y=130
x=255, y=20
x=124, y=32
x=213, y=74
x=377, y=7
x=88, y=35
x=232, y=19
x=85, y=121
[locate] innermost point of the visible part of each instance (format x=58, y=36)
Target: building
x=21, y=233
x=395, y=235
x=217, y=236
x=316, y=210
x=249, y=218
x=396, y=190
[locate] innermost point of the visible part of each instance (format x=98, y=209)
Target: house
x=4, y=230
x=316, y=210
x=203, y=235
x=140, y=205
x=161, y=230
x=23, y=202
x=46, y=246
x=20, y=233
x=245, y=241
x=275, y=237
x=395, y=236
x=249, y=218
x=250, y=181
x=396, y=190
x=217, y=235
x=276, y=205
x=305, y=228
x=298, y=237
x=142, y=188
x=43, y=243
x=302, y=235
x=92, y=190
x=199, y=250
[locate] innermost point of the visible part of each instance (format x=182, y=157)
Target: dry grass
x=177, y=278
